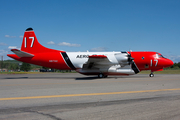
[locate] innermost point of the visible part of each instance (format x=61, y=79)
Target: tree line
x=13, y=65
x=9, y=65
x=175, y=66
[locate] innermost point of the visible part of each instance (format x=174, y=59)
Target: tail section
x=31, y=45
x=34, y=53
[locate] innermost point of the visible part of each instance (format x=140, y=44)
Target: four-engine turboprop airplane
x=88, y=63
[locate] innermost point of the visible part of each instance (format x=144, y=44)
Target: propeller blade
x=130, y=58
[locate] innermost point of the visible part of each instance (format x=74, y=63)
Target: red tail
x=31, y=45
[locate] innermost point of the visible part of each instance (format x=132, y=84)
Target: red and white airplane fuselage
x=88, y=63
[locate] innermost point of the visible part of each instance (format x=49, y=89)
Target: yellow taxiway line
x=87, y=94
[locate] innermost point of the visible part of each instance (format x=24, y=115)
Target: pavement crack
x=44, y=114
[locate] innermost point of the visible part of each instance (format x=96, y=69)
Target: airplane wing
x=20, y=53
x=97, y=62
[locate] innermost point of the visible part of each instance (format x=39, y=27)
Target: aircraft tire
x=101, y=75
x=151, y=75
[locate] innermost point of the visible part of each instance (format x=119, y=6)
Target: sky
x=93, y=25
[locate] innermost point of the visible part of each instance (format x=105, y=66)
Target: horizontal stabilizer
x=20, y=53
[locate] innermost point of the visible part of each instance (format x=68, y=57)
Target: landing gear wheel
x=101, y=75
x=151, y=75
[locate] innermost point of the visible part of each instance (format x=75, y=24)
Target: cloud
x=69, y=44
x=13, y=47
x=3, y=44
x=8, y=36
x=99, y=49
x=51, y=43
x=174, y=58
x=20, y=36
x=3, y=52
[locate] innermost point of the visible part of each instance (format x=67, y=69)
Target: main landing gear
x=151, y=74
x=101, y=75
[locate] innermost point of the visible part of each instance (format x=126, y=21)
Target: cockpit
x=158, y=55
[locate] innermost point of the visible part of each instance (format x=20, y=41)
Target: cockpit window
x=159, y=55
x=162, y=56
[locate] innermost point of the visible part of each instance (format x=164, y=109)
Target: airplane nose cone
x=169, y=63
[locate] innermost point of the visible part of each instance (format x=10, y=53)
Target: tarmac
x=72, y=96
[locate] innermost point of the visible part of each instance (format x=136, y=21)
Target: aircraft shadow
x=39, y=78
x=77, y=78
x=16, y=78
x=87, y=78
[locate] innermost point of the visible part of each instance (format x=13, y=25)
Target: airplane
x=101, y=64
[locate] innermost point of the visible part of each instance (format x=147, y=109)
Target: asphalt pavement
x=71, y=96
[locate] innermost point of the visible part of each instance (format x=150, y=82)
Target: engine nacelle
x=114, y=70
x=122, y=58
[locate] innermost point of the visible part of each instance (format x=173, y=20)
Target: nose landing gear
x=151, y=74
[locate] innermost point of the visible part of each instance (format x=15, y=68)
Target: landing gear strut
x=151, y=75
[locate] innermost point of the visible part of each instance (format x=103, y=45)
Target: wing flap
x=97, y=61
x=20, y=53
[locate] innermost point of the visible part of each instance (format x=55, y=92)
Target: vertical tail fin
x=30, y=43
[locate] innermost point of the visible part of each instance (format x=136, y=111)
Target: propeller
x=132, y=63
x=130, y=58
